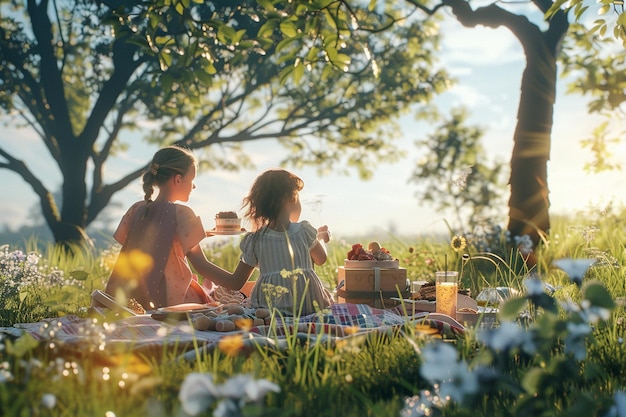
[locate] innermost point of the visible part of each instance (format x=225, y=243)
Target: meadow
x=557, y=350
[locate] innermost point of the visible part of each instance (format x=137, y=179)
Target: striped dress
x=287, y=279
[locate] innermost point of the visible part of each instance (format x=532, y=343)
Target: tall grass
x=363, y=375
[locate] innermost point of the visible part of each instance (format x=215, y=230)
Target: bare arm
x=220, y=276
x=318, y=253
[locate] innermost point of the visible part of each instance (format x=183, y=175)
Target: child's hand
x=323, y=234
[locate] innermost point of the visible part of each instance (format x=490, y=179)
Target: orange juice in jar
x=446, y=290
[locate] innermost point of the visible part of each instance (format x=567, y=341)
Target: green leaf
x=285, y=73
x=598, y=295
x=342, y=60
x=512, y=307
x=266, y=4
x=604, y=9
x=203, y=77
x=22, y=345
x=267, y=30
x=532, y=380
x=288, y=28
x=166, y=82
x=298, y=72
x=79, y=275
x=226, y=34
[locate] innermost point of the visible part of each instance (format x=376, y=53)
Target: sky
x=488, y=64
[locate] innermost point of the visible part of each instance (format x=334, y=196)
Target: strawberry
x=354, y=253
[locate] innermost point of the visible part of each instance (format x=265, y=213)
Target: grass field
x=558, y=350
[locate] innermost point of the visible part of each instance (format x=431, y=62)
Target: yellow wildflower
x=244, y=324
x=231, y=345
x=458, y=243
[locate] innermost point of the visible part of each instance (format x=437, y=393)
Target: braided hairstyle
x=268, y=193
x=166, y=163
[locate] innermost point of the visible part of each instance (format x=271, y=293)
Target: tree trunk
x=529, y=203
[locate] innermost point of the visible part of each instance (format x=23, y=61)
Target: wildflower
x=231, y=345
x=426, y=329
x=253, y=390
x=48, y=401
x=227, y=408
x=134, y=263
x=574, y=268
x=274, y=291
x=440, y=367
x=524, y=244
x=244, y=324
x=507, y=337
x=5, y=373
x=291, y=274
x=197, y=393
x=458, y=243
x=619, y=405
x=592, y=314
x=575, y=339
x=349, y=330
x=534, y=286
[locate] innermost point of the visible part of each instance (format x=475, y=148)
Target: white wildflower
x=227, y=408
x=507, y=337
x=534, y=286
x=574, y=268
x=619, y=406
x=593, y=314
x=197, y=393
x=575, y=339
x=48, y=401
x=452, y=378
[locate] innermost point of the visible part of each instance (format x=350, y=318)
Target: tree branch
x=48, y=206
x=51, y=78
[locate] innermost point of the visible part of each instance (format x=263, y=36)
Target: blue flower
x=574, y=268
x=507, y=337
x=619, y=407
x=576, y=338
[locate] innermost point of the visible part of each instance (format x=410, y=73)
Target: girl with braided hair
x=159, y=237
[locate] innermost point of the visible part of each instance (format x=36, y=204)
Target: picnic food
x=227, y=221
x=428, y=292
x=375, y=256
x=370, y=276
x=374, y=252
x=135, y=306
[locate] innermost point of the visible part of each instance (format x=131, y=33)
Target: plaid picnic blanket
x=145, y=334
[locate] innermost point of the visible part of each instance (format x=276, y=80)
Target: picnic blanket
x=144, y=334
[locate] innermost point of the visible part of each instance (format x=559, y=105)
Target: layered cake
x=227, y=221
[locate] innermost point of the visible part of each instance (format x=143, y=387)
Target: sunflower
x=458, y=243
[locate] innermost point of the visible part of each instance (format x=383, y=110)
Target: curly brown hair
x=268, y=193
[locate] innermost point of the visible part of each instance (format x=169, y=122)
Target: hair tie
x=154, y=169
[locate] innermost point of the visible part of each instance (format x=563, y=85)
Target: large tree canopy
x=322, y=78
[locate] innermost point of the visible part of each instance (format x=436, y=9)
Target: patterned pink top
x=166, y=232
